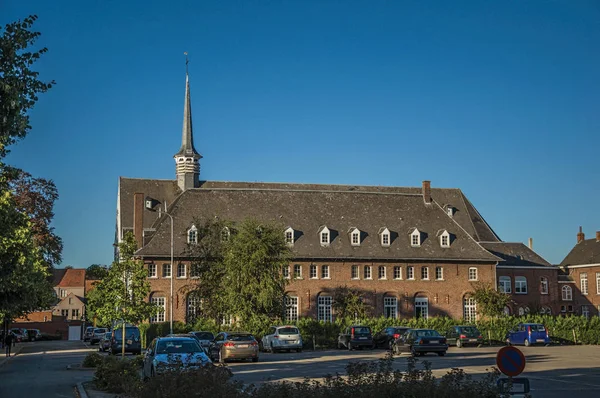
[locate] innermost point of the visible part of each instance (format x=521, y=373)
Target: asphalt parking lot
x=554, y=371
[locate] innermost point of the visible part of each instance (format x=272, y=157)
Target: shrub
x=118, y=375
x=92, y=360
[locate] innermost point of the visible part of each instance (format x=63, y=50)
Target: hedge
x=569, y=330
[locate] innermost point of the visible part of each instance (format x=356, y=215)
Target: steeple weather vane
x=187, y=61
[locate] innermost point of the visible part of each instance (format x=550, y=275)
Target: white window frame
x=355, y=237
x=410, y=273
x=385, y=238
x=445, y=239
x=422, y=307
x=598, y=283
x=583, y=280
x=152, y=273
x=184, y=275
x=380, y=274
x=192, y=235
x=170, y=273
x=286, y=271
x=425, y=273
x=297, y=271
x=355, y=272
x=368, y=272
x=566, y=293
x=544, y=285
x=289, y=236
x=324, y=308
x=161, y=302
x=585, y=311
x=439, y=277
x=325, y=236
x=325, y=272
x=502, y=284
x=397, y=272
x=473, y=274
x=415, y=238
x=520, y=282
x=193, y=304
x=469, y=309
x=390, y=307
x=292, y=305
x=313, y=272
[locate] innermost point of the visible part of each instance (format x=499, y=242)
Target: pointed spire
x=187, y=135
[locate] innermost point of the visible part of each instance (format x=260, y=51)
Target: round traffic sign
x=510, y=361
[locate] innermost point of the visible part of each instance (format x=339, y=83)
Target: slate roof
x=307, y=210
x=584, y=252
x=71, y=277
x=516, y=254
x=167, y=191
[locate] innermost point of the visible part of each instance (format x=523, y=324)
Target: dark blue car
x=528, y=334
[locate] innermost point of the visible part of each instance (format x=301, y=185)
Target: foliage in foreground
x=92, y=360
x=363, y=379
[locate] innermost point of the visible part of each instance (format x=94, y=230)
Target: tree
x=348, y=302
x=490, y=302
x=122, y=294
x=19, y=85
x=96, y=271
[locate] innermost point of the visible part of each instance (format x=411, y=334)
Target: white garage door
x=74, y=332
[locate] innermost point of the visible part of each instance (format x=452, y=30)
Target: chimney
x=427, y=192
x=580, y=236
x=531, y=243
x=597, y=236
x=138, y=218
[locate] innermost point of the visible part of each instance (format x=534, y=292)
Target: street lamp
x=149, y=206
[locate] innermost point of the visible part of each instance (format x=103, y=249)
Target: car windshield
x=99, y=331
x=130, y=333
x=179, y=346
x=469, y=329
x=537, y=328
x=361, y=330
x=288, y=331
x=204, y=335
x=427, y=333
x=240, y=337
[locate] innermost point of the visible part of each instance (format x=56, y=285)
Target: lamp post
x=149, y=206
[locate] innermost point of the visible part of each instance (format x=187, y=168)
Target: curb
x=81, y=391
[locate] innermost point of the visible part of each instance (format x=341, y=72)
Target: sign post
x=511, y=362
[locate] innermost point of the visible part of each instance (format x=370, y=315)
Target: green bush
x=148, y=331
x=92, y=360
x=118, y=375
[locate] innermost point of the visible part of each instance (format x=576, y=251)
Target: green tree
x=19, y=85
x=490, y=302
x=96, y=271
x=122, y=294
x=348, y=303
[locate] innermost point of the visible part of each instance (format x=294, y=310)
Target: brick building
x=413, y=251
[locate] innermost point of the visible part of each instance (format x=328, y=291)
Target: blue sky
x=500, y=99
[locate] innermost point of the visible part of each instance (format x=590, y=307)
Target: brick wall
x=592, y=298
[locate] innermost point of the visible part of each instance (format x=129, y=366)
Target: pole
x=172, y=277
x=123, y=341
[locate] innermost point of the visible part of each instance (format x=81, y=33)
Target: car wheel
x=349, y=346
x=255, y=359
x=458, y=343
x=527, y=343
x=442, y=353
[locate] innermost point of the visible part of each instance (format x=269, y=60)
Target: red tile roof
x=71, y=277
x=90, y=285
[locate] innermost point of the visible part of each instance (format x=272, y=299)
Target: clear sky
x=498, y=98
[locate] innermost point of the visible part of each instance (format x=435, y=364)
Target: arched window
x=421, y=307
x=390, y=307
x=567, y=293
x=504, y=284
x=520, y=285
x=469, y=309
x=545, y=311
x=506, y=310
x=521, y=311
x=192, y=235
x=193, y=306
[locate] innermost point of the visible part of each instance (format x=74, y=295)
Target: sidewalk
x=14, y=352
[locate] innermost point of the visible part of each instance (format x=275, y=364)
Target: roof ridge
x=300, y=190
x=322, y=184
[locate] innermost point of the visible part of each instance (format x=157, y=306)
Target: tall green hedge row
x=572, y=329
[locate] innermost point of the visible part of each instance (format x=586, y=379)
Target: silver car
x=203, y=338
x=173, y=353
x=282, y=338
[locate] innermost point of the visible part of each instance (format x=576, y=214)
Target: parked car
x=89, y=331
x=105, y=342
x=356, y=337
x=282, y=338
x=173, y=353
x=98, y=335
x=34, y=334
x=463, y=335
x=528, y=334
x=387, y=336
x=420, y=342
x=133, y=342
x=19, y=334
x=203, y=338
x=233, y=345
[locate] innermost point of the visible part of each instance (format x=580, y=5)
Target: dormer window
x=354, y=236
x=225, y=234
x=289, y=236
x=415, y=238
x=324, y=236
x=385, y=237
x=445, y=239
x=450, y=210
x=192, y=235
